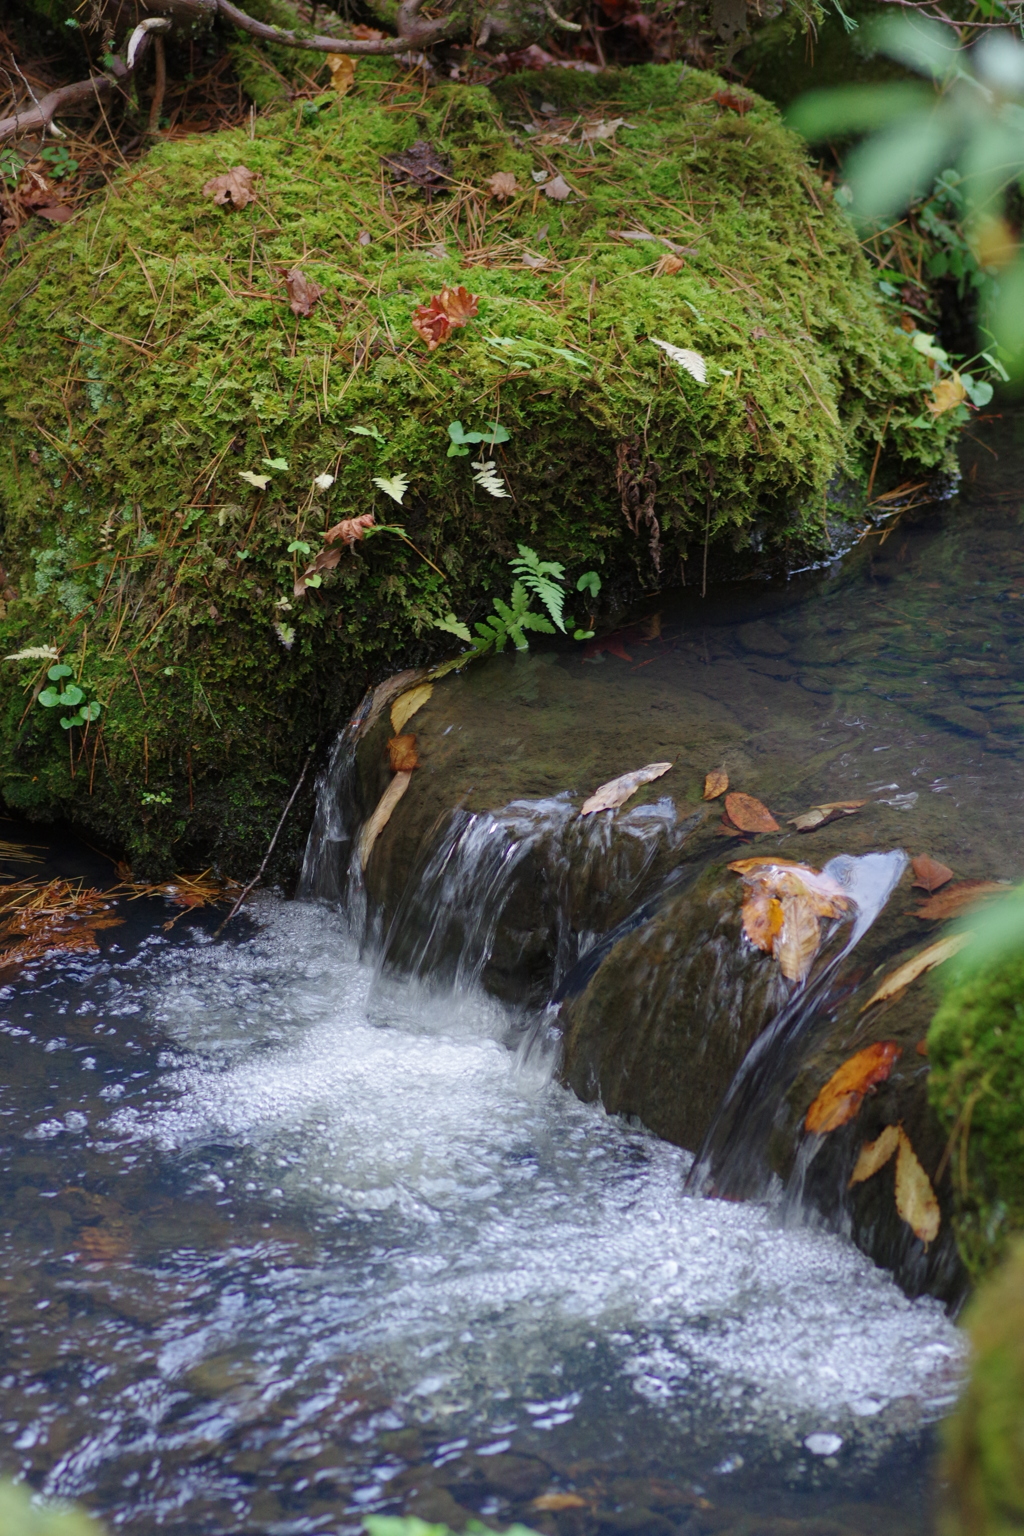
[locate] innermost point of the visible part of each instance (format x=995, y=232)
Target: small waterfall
x=328, y=870
x=731, y=1161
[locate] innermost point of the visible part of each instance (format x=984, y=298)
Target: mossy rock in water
x=151, y=357
x=976, y=1046
x=19, y=1516
x=984, y=1459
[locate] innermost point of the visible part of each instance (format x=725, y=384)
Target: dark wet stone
x=815, y=684
x=959, y=716
x=761, y=638
x=770, y=667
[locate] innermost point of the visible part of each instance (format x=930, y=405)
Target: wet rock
x=960, y=717
x=763, y=639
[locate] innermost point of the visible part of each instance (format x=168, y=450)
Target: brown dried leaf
x=503, y=185
x=762, y=920
x=406, y=705
x=349, y=530
x=302, y=294
x=382, y=815
x=617, y=791
x=558, y=1501
x=557, y=188
x=929, y=874
x=947, y=395
x=915, y=1197
x=956, y=897
x=402, y=752
x=447, y=310
x=57, y=213
x=343, y=71
x=874, y=1155
x=800, y=939
x=668, y=265
x=808, y=820
x=749, y=814
x=716, y=783
x=733, y=101
x=841, y=1097
x=234, y=189
x=898, y=981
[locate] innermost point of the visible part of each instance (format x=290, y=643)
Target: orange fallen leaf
x=402, y=752
x=874, y=1155
x=558, y=1501
x=349, y=529
x=955, y=897
x=733, y=101
x=749, y=814
x=716, y=784
x=302, y=294
x=503, y=185
x=445, y=312
x=921, y=1047
x=617, y=791
x=234, y=189
x=382, y=815
x=841, y=1097
x=762, y=920
x=915, y=1197
x=343, y=71
x=929, y=874
x=897, y=981
x=668, y=265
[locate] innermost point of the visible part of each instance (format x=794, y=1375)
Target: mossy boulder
x=984, y=1457
x=150, y=357
x=976, y=1045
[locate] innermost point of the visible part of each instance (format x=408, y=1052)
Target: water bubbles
x=823, y=1444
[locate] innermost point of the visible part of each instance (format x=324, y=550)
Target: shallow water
x=288, y=1238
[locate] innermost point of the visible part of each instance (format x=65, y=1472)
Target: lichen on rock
x=150, y=356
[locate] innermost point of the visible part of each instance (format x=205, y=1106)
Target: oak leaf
x=899, y=980
x=915, y=1197
x=874, y=1155
x=716, y=783
x=929, y=874
x=617, y=791
x=749, y=814
x=443, y=313
x=842, y=1095
x=403, y=755
x=954, y=898
x=234, y=189
x=302, y=294
x=503, y=185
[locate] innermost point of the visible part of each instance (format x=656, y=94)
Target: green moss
x=976, y=1047
x=984, y=1461
x=150, y=356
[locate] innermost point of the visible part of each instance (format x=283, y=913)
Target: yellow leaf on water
x=749, y=814
x=617, y=791
x=874, y=1155
x=406, y=705
x=716, y=783
x=762, y=920
x=841, y=1097
x=382, y=815
x=343, y=71
x=900, y=979
x=915, y=1198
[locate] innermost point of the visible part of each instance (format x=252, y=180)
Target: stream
x=300, y=1225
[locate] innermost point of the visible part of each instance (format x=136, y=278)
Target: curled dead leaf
x=617, y=791
x=234, y=189
x=929, y=874
x=302, y=294
x=915, y=1197
x=382, y=815
x=749, y=814
x=668, y=265
x=818, y=815
x=350, y=529
x=874, y=1155
x=899, y=980
x=445, y=312
x=503, y=185
x=402, y=752
x=406, y=705
x=955, y=898
x=842, y=1095
x=782, y=908
x=716, y=783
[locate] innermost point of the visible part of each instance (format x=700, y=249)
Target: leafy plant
x=511, y=621
x=461, y=441
x=68, y=696
x=11, y=165
x=60, y=161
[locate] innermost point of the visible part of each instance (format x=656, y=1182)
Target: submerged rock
x=158, y=366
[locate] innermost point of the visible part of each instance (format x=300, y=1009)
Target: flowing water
x=291, y=1235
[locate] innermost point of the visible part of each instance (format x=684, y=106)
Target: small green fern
x=510, y=621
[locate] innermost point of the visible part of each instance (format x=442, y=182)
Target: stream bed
x=290, y=1236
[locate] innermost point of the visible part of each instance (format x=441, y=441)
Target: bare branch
x=412, y=33
x=61, y=100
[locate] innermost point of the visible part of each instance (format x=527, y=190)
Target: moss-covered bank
x=149, y=355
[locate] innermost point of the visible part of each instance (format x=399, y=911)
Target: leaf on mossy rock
x=929, y=874
x=350, y=529
x=749, y=814
x=234, y=189
x=842, y=1095
x=691, y=361
x=915, y=1197
x=955, y=898
x=445, y=312
x=406, y=705
x=302, y=294
x=874, y=1155
x=503, y=185
x=899, y=980
x=382, y=814
x=259, y=481
x=617, y=791
x=403, y=755
x=716, y=783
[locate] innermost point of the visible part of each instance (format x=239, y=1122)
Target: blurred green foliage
x=20, y=1516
